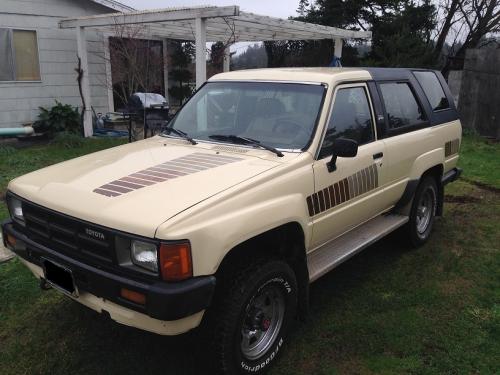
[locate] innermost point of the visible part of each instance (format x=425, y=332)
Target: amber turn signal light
x=135, y=297
x=175, y=261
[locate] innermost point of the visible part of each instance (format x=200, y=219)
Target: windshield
x=280, y=115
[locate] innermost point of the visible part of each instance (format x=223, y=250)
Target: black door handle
x=378, y=155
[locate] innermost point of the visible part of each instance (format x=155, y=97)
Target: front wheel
x=250, y=324
x=423, y=211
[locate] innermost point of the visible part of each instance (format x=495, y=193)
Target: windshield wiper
x=181, y=134
x=239, y=139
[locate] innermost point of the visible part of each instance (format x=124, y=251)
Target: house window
x=19, y=55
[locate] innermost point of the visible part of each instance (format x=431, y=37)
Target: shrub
x=59, y=118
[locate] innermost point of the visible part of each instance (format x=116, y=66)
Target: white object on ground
x=5, y=254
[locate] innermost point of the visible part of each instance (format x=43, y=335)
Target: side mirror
x=345, y=148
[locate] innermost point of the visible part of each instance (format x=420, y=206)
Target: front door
x=353, y=192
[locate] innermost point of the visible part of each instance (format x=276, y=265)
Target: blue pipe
x=25, y=130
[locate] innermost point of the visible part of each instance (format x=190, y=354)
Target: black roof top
x=393, y=73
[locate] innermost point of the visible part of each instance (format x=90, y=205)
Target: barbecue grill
x=150, y=108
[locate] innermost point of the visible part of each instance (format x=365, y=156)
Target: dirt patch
x=482, y=185
x=461, y=199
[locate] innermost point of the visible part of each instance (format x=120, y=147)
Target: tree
x=427, y=33
x=137, y=63
x=403, y=38
x=182, y=55
x=254, y=56
x=466, y=24
x=401, y=28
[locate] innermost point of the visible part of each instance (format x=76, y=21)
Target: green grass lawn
x=390, y=310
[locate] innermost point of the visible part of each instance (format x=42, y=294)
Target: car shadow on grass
x=92, y=343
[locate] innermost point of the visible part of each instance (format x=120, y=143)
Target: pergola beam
x=325, y=31
x=159, y=15
x=200, y=24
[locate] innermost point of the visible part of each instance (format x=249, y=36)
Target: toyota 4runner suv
x=263, y=182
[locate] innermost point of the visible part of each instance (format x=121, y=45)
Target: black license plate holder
x=59, y=277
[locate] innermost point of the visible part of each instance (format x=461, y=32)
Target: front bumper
x=164, y=301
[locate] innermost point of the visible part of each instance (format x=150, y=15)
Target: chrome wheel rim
x=262, y=322
x=425, y=210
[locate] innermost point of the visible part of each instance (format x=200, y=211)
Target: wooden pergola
x=202, y=24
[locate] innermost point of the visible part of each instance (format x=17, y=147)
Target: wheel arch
x=436, y=172
x=286, y=242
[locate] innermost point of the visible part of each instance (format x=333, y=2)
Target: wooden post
x=109, y=76
x=201, y=51
x=226, y=67
x=338, y=47
x=165, y=68
x=82, y=54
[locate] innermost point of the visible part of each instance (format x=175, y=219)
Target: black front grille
x=68, y=235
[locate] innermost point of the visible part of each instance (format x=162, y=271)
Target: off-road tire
x=420, y=225
x=224, y=323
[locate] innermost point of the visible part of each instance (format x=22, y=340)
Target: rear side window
x=351, y=118
x=401, y=106
x=433, y=90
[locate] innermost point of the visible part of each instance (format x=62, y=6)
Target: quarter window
x=19, y=55
x=401, y=106
x=351, y=118
x=433, y=90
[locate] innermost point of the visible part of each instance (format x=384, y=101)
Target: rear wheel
x=423, y=211
x=249, y=326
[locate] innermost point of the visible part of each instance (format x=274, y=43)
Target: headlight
x=15, y=209
x=144, y=254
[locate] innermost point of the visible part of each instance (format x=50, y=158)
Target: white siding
x=19, y=101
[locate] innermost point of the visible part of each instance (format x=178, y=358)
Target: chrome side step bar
x=330, y=255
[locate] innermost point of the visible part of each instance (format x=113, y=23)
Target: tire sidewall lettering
x=264, y=362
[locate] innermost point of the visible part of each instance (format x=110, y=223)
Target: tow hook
x=44, y=285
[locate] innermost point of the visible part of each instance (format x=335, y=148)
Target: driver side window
x=351, y=118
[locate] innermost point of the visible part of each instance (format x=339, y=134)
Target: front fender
x=217, y=225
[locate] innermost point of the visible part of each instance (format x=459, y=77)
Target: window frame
x=344, y=85
x=391, y=132
x=12, y=29
x=425, y=94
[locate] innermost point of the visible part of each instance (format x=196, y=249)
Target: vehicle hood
x=136, y=187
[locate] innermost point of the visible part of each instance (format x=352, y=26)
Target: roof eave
x=115, y=5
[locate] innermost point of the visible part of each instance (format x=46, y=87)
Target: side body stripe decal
x=451, y=147
x=342, y=191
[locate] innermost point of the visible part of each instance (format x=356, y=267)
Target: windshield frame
x=290, y=150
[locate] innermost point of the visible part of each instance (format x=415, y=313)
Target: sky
x=275, y=8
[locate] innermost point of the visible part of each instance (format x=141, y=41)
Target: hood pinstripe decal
x=185, y=165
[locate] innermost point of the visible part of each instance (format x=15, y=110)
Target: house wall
x=19, y=101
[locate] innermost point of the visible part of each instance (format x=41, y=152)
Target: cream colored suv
x=263, y=182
